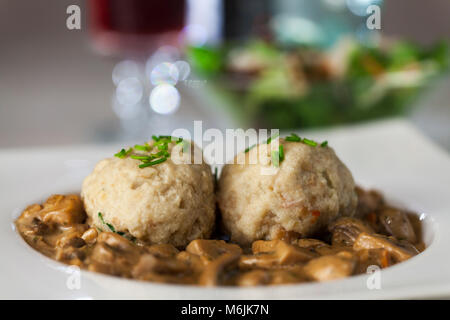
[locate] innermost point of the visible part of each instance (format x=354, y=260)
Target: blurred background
x=139, y=67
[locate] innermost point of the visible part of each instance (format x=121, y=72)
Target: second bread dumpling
x=309, y=188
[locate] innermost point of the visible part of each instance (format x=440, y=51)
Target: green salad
x=268, y=86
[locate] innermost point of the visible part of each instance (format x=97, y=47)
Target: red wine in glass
x=135, y=27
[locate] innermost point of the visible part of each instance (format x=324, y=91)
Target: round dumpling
x=300, y=196
x=169, y=202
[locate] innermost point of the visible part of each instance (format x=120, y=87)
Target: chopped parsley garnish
x=276, y=159
x=152, y=163
x=161, y=143
x=277, y=156
x=142, y=148
x=109, y=225
x=295, y=138
x=311, y=143
x=123, y=153
x=272, y=137
x=133, y=156
x=249, y=148
x=281, y=152
x=268, y=141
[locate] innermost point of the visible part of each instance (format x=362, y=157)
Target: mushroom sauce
x=378, y=235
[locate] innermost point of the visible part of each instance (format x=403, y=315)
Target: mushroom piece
x=253, y=278
x=192, y=260
x=316, y=245
x=63, y=210
x=210, y=250
x=370, y=257
x=331, y=267
x=289, y=275
x=216, y=272
x=368, y=201
x=167, y=270
x=114, y=255
x=396, y=223
x=163, y=250
x=116, y=242
x=272, y=253
x=90, y=236
x=346, y=230
x=400, y=251
x=149, y=264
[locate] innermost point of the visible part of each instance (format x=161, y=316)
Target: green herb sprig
x=161, y=143
x=295, y=138
x=249, y=148
x=272, y=137
x=109, y=225
x=268, y=141
x=123, y=153
x=277, y=156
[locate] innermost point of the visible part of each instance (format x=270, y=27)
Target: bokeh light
x=164, y=73
x=359, y=7
x=297, y=30
x=334, y=4
x=126, y=112
x=129, y=91
x=195, y=34
x=163, y=54
x=184, y=69
x=164, y=99
x=126, y=69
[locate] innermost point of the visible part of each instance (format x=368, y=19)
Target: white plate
x=390, y=156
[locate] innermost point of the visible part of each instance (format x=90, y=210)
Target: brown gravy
x=379, y=235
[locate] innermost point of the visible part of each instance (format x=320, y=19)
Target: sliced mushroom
x=396, y=223
x=39, y=228
x=368, y=201
x=30, y=212
x=370, y=257
x=290, y=275
x=193, y=260
x=71, y=236
x=116, y=242
x=163, y=250
x=212, y=249
x=400, y=251
x=216, y=273
x=331, y=267
x=346, y=230
x=114, y=255
x=253, y=278
x=63, y=210
x=316, y=245
x=288, y=254
x=148, y=263
x=268, y=254
x=90, y=236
